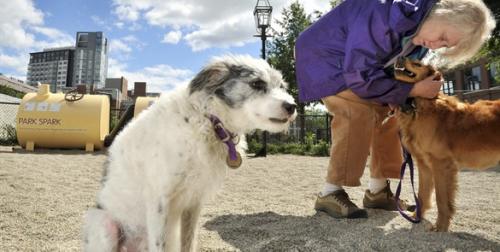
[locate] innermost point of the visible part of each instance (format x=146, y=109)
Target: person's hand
x=428, y=87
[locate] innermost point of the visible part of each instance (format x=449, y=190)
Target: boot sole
x=387, y=208
x=358, y=214
x=410, y=208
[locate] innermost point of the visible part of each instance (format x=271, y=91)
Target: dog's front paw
x=428, y=226
x=438, y=228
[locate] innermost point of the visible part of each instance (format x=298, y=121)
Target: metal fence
x=316, y=127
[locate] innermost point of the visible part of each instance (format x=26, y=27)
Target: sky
x=162, y=42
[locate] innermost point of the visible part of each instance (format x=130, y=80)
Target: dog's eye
x=258, y=85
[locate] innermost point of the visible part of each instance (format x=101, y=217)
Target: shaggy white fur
x=168, y=161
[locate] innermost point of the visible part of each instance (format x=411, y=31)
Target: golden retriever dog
x=444, y=135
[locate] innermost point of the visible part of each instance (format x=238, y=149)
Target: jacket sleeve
x=373, y=39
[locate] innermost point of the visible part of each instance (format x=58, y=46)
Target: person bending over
x=344, y=59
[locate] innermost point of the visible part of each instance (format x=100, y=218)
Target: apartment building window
x=449, y=85
x=472, y=79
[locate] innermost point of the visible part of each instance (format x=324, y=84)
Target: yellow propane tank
x=142, y=103
x=48, y=120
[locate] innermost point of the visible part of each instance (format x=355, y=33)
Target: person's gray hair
x=473, y=19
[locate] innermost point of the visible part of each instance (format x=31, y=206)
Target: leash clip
x=390, y=114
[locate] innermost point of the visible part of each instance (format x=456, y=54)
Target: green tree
x=281, y=49
x=334, y=3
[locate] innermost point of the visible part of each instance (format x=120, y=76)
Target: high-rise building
x=91, y=59
x=52, y=66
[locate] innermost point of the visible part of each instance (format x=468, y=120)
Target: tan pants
x=357, y=131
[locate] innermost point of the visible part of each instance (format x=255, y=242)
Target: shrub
x=254, y=146
x=322, y=148
x=309, y=141
x=11, y=92
x=8, y=135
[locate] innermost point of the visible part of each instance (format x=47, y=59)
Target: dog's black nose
x=289, y=107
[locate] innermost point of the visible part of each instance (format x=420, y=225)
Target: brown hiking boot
x=384, y=200
x=338, y=205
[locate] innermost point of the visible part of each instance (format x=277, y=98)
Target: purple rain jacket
x=348, y=47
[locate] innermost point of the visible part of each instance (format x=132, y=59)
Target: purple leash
x=408, y=160
x=225, y=136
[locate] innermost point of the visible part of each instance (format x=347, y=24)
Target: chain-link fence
x=8, y=112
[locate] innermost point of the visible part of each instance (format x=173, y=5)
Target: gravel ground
x=266, y=205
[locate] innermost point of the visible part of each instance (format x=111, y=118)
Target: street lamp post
x=262, y=14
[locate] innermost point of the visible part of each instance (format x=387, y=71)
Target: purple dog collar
x=234, y=158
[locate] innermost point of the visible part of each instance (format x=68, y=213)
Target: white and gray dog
x=165, y=163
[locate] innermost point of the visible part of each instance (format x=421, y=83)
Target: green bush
x=272, y=149
x=292, y=148
x=322, y=148
x=8, y=135
x=11, y=92
x=254, y=146
x=309, y=141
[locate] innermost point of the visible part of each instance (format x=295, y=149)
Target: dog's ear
x=210, y=78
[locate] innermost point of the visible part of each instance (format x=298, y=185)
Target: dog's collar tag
x=234, y=163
